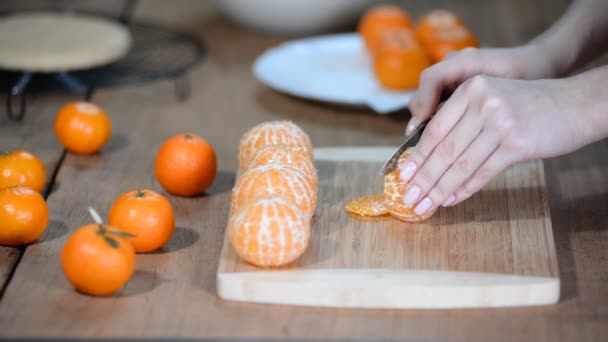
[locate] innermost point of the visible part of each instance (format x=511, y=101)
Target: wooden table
x=173, y=291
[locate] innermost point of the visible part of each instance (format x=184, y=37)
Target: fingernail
x=423, y=206
x=407, y=172
x=411, y=196
x=449, y=201
x=411, y=127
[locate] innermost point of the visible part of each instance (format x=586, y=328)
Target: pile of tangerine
x=274, y=199
x=401, y=51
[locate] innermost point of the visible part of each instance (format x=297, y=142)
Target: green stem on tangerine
x=187, y=136
x=139, y=193
x=102, y=231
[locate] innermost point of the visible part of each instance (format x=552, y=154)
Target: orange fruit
x=145, y=214
x=82, y=127
x=23, y=215
x=275, y=179
x=379, y=19
x=186, y=165
x=447, y=41
x=287, y=155
x=436, y=21
x=21, y=168
x=98, y=259
x=270, y=231
x=368, y=206
x=394, y=190
x=400, y=61
x=271, y=133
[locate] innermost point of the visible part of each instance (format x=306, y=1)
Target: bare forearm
x=589, y=92
x=577, y=38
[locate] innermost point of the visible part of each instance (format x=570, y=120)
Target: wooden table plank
x=35, y=134
x=173, y=292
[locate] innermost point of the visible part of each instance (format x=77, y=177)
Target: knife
x=409, y=141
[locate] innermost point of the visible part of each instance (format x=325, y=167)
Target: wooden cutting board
x=495, y=249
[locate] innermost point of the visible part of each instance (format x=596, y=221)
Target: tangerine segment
x=394, y=190
x=269, y=232
x=286, y=154
x=275, y=179
x=368, y=206
x=271, y=133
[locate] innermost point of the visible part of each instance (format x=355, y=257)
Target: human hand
x=487, y=125
x=525, y=62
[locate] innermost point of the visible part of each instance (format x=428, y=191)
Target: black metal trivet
x=156, y=53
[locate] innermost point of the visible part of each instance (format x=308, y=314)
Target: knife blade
x=409, y=141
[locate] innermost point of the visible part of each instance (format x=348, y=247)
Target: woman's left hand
x=487, y=125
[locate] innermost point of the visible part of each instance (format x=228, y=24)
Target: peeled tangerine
x=286, y=154
x=270, y=231
x=394, y=190
x=275, y=179
x=271, y=133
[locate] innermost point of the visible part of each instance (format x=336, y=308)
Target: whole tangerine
x=445, y=42
x=82, y=127
x=98, y=260
x=24, y=215
x=185, y=165
x=145, y=214
x=22, y=168
x=401, y=61
x=436, y=21
x=379, y=19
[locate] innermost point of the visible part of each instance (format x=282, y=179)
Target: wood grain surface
x=383, y=262
x=173, y=292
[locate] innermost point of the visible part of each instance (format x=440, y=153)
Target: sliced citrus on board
x=372, y=205
x=394, y=190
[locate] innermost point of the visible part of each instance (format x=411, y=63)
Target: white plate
x=333, y=68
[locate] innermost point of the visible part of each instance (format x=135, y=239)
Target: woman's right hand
x=526, y=62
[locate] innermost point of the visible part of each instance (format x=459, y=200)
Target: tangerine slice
x=372, y=205
x=394, y=190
